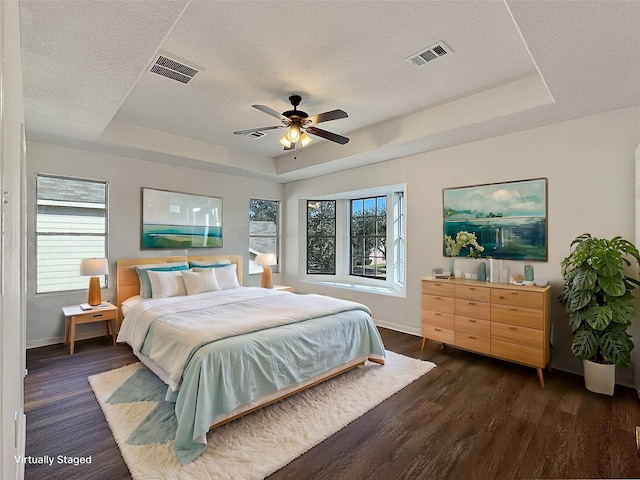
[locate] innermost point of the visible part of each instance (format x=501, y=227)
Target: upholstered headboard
x=128, y=285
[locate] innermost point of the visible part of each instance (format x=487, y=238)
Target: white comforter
x=179, y=325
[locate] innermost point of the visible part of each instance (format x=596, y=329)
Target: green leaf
x=623, y=308
x=585, y=278
x=606, y=262
x=585, y=344
x=617, y=346
x=578, y=299
x=613, y=286
x=599, y=317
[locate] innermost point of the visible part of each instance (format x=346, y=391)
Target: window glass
x=321, y=237
x=71, y=224
x=264, y=230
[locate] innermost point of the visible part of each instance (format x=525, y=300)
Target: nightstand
x=284, y=288
x=74, y=315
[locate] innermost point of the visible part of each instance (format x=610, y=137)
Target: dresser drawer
x=438, y=303
x=525, y=317
x=518, y=353
x=473, y=342
x=443, y=288
x=471, y=292
x=438, y=319
x=528, y=337
x=473, y=309
x=438, y=334
x=473, y=326
x=517, y=298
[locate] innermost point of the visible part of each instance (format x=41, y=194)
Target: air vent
x=257, y=134
x=173, y=69
x=425, y=56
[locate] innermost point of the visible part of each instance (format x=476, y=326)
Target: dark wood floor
x=472, y=417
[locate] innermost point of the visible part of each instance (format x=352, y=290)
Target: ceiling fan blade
x=334, y=137
x=250, y=130
x=272, y=112
x=326, y=116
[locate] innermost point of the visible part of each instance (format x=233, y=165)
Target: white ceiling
x=514, y=65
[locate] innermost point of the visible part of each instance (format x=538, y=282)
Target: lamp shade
x=266, y=259
x=93, y=267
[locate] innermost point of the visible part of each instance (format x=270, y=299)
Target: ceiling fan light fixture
x=293, y=135
x=305, y=139
x=285, y=141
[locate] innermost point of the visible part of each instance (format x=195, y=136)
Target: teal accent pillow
x=218, y=264
x=143, y=275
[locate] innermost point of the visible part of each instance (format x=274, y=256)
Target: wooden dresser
x=505, y=321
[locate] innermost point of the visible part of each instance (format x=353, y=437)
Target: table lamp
x=94, y=267
x=265, y=260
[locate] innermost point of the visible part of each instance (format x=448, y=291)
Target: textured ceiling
x=514, y=65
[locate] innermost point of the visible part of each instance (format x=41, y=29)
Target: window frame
x=256, y=269
x=104, y=279
x=334, y=237
x=395, y=283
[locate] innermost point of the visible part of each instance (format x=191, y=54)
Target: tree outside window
x=321, y=237
x=368, y=255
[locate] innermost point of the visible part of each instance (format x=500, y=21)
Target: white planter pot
x=599, y=378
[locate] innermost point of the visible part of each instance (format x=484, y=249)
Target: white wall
x=12, y=314
x=589, y=164
x=126, y=176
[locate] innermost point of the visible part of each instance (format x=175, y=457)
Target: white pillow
x=226, y=276
x=167, y=284
x=200, y=282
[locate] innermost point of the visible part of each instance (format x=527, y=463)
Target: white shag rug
x=255, y=445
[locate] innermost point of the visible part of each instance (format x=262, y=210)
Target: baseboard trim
x=44, y=342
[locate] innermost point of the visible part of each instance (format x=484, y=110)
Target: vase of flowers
x=453, y=246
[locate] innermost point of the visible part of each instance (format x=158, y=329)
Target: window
x=71, y=224
x=264, y=230
x=356, y=240
x=368, y=231
x=321, y=237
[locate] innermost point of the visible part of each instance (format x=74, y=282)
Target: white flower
x=453, y=247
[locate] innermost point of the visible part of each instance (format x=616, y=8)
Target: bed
x=225, y=350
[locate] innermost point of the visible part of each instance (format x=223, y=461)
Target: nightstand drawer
x=95, y=316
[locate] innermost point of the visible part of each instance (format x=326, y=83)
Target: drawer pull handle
x=438, y=298
x=472, y=303
x=472, y=321
x=437, y=330
x=438, y=284
x=97, y=315
x=472, y=289
x=513, y=309
x=513, y=328
x=437, y=314
x=514, y=293
x=472, y=337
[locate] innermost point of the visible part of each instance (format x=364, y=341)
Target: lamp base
x=94, y=292
x=266, y=280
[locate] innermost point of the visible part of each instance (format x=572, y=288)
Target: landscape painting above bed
x=180, y=220
x=509, y=219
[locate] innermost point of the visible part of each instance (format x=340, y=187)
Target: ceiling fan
x=300, y=123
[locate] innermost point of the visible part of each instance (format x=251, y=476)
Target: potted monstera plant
x=598, y=297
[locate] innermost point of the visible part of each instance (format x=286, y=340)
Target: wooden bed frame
x=128, y=285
